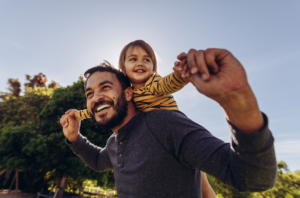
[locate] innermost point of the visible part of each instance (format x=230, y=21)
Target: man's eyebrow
x=105, y=82
x=88, y=89
x=100, y=84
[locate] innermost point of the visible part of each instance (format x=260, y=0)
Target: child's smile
x=138, y=66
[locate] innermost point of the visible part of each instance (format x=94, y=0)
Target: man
x=160, y=153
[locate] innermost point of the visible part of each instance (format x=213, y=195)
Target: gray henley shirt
x=160, y=154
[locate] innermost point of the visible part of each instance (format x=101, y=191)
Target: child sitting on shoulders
x=150, y=91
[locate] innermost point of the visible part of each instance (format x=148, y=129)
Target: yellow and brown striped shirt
x=156, y=93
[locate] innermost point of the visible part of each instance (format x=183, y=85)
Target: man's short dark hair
x=105, y=66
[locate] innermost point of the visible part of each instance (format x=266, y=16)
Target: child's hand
x=181, y=70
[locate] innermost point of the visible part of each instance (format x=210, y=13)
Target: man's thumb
x=73, y=117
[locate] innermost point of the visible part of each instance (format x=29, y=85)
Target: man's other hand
x=217, y=74
x=70, y=125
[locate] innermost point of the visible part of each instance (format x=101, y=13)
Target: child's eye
x=132, y=59
x=148, y=60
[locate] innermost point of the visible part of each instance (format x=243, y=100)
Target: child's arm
x=207, y=191
x=171, y=83
x=82, y=114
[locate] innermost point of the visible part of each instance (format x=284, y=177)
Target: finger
x=67, y=112
x=182, y=62
x=186, y=71
x=72, y=115
x=176, y=69
x=191, y=61
x=210, y=58
x=66, y=125
x=202, y=67
x=177, y=66
x=182, y=56
x=62, y=120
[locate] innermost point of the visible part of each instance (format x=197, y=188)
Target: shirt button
x=121, y=142
x=120, y=155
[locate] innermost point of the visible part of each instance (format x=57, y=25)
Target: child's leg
x=207, y=191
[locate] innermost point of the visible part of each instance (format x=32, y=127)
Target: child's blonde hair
x=137, y=43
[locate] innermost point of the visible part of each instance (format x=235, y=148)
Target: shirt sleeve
x=248, y=163
x=165, y=85
x=95, y=157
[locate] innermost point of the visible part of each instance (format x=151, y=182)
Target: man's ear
x=128, y=94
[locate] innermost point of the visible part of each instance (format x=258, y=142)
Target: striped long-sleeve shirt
x=156, y=93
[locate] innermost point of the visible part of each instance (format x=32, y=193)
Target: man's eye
x=88, y=94
x=106, y=87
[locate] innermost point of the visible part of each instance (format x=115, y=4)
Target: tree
x=18, y=130
x=37, y=81
x=287, y=183
x=287, y=186
x=16, y=111
x=14, y=87
x=31, y=137
x=67, y=164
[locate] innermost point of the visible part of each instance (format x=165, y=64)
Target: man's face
x=105, y=99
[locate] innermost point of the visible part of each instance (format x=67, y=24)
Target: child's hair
x=142, y=44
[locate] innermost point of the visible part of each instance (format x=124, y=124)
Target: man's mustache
x=110, y=102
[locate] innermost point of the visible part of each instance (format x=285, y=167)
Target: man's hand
x=217, y=74
x=70, y=125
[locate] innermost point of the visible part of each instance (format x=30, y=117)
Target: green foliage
x=14, y=87
x=16, y=111
x=31, y=137
x=66, y=163
x=15, y=147
x=287, y=186
x=287, y=183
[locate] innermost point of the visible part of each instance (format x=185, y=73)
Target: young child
x=151, y=91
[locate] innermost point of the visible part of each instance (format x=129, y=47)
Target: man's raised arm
x=217, y=74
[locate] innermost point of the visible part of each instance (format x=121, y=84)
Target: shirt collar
x=127, y=128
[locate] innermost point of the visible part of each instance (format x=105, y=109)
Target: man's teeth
x=102, y=107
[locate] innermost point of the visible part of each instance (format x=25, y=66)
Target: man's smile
x=102, y=107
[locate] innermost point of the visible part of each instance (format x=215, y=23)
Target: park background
x=62, y=39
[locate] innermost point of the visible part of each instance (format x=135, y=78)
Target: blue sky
x=64, y=38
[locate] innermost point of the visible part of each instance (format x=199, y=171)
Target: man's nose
x=97, y=97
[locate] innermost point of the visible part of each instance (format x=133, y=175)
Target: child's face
x=138, y=66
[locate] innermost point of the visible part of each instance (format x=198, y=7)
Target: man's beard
x=117, y=118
